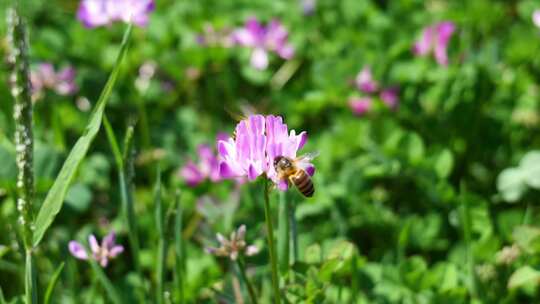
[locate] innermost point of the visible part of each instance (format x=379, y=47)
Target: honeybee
x=294, y=172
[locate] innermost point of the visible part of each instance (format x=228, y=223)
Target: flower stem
x=24, y=140
x=243, y=274
x=271, y=247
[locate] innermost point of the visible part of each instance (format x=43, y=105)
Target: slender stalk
x=124, y=164
x=243, y=274
x=271, y=247
x=467, y=235
x=162, y=242
x=527, y=217
x=110, y=290
x=283, y=233
x=24, y=140
x=179, y=249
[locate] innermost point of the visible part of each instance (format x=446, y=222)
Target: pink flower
x=536, y=17
x=233, y=247
x=361, y=105
x=365, y=82
x=45, y=77
x=435, y=38
x=93, y=13
x=272, y=38
x=207, y=167
x=390, y=97
x=259, y=140
x=102, y=254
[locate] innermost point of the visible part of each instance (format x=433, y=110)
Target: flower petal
x=259, y=59
x=116, y=250
x=94, y=245
x=77, y=250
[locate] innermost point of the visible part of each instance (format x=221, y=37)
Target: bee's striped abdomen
x=303, y=182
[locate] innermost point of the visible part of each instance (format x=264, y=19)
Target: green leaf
x=444, y=164
x=55, y=198
x=511, y=185
x=52, y=284
x=527, y=238
x=530, y=167
x=523, y=276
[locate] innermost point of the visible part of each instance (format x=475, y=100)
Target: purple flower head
x=259, y=140
x=390, y=97
x=261, y=39
x=108, y=249
x=308, y=6
x=536, y=17
x=360, y=106
x=94, y=13
x=206, y=168
x=365, y=82
x=233, y=247
x=45, y=77
x=435, y=38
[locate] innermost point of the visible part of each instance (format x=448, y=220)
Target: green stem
x=283, y=233
x=162, y=242
x=243, y=274
x=271, y=247
x=179, y=249
x=528, y=214
x=30, y=279
x=145, y=133
x=467, y=235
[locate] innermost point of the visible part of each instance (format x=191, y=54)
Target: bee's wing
x=307, y=157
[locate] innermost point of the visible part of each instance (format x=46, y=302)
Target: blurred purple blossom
x=94, y=13
x=233, y=247
x=207, y=167
x=365, y=82
x=536, y=17
x=108, y=249
x=308, y=6
x=435, y=38
x=45, y=77
x=261, y=39
x=259, y=140
x=146, y=72
x=360, y=105
x=390, y=97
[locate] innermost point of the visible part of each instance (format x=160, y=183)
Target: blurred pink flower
x=365, y=82
x=93, y=13
x=259, y=140
x=233, y=247
x=272, y=38
x=390, y=97
x=108, y=249
x=361, y=105
x=45, y=77
x=207, y=167
x=536, y=17
x=435, y=38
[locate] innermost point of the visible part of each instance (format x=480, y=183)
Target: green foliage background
x=415, y=192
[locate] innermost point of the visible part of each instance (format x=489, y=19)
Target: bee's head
x=282, y=163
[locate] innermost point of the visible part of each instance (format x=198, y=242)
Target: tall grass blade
x=162, y=242
x=55, y=198
x=52, y=284
x=179, y=249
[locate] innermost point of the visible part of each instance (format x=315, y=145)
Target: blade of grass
x=179, y=249
x=55, y=197
x=162, y=244
x=52, y=284
x=2, y=300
